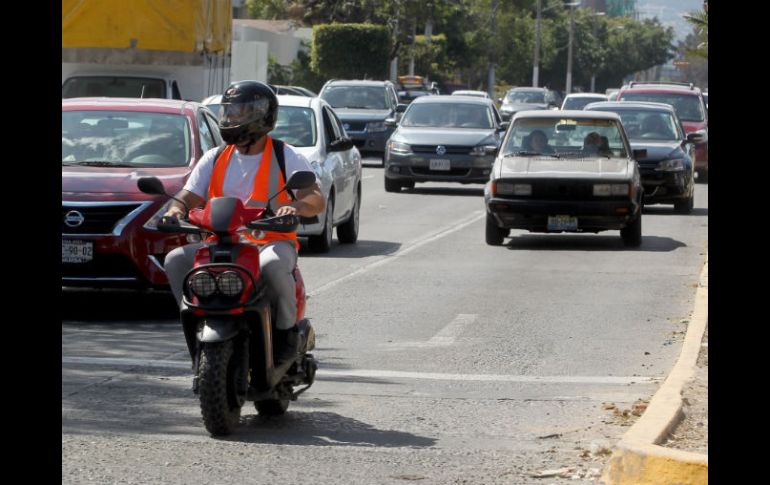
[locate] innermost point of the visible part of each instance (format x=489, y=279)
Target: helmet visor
x=237, y=114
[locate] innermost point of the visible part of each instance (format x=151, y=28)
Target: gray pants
x=276, y=264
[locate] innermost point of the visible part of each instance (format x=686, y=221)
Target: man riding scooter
x=250, y=167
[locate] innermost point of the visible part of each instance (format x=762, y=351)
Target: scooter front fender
x=218, y=330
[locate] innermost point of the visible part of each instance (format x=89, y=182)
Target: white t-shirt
x=239, y=179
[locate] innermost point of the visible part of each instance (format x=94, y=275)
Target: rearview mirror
x=401, y=108
x=504, y=125
x=151, y=185
x=696, y=136
x=391, y=122
x=640, y=153
x=300, y=180
x=340, y=145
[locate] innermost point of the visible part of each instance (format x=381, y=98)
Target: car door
x=351, y=160
x=335, y=163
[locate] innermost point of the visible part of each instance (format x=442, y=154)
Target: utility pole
x=568, y=89
x=491, y=74
x=536, y=63
x=394, y=62
x=593, y=75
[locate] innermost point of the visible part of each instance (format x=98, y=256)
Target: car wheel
x=685, y=206
x=703, y=176
x=494, y=234
x=632, y=233
x=347, y=232
x=392, y=185
x=321, y=243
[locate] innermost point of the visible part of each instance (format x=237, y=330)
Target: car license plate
x=562, y=223
x=439, y=164
x=76, y=251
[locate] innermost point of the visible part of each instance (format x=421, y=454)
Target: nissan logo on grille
x=74, y=219
x=440, y=150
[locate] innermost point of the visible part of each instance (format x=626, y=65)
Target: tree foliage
x=350, y=51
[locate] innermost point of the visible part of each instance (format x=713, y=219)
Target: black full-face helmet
x=248, y=112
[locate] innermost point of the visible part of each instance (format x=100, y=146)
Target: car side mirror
x=300, y=180
x=640, y=153
x=151, y=185
x=391, y=122
x=504, y=126
x=340, y=145
x=696, y=136
x=401, y=107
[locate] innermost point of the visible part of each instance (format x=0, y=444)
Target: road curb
x=637, y=459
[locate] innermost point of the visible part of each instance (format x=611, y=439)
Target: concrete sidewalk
x=668, y=445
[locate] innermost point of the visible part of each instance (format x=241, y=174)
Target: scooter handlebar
x=287, y=223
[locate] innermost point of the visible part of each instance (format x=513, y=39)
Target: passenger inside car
x=654, y=127
x=536, y=141
x=595, y=144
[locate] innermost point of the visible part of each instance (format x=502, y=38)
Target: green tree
x=700, y=23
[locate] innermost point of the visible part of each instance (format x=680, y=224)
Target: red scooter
x=227, y=318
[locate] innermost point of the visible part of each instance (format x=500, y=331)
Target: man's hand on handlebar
x=173, y=215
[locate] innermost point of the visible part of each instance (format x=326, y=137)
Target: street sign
x=681, y=63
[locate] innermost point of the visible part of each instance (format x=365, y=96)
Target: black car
x=564, y=171
x=363, y=107
x=668, y=171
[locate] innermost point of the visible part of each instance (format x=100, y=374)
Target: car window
x=448, y=115
x=207, y=139
x=333, y=130
x=688, y=107
x=526, y=97
x=566, y=136
x=648, y=124
x=356, y=97
x=125, y=138
x=296, y=126
x=339, y=129
x=214, y=128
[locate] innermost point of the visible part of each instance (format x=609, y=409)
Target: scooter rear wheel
x=217, y=388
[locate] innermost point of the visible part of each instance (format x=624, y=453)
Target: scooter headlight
x=202, y=284
x=230, y=283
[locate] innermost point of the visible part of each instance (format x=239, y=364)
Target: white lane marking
x=475, y=216
x=448, y=334
x=384, y=374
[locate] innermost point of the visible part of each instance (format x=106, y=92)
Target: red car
x=690, y=107
x=109, y=237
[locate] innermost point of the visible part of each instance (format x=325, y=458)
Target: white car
x=579, y=100
x=310, y=126
x=470, y=92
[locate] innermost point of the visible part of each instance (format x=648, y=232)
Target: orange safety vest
x=259, y=193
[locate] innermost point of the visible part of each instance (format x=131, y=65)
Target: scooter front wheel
x=217, y=388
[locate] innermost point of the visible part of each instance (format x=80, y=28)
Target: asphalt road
x=442, y=360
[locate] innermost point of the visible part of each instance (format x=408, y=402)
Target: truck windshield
x=113, y=86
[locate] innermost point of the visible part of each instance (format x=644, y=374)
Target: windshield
x=534, y=97
x=296, y=126
x=687, y=106
x=565, y=137
x=113, y=86
x=355, y=97
x=648, y=124
x=579, y=102
x=125, y=138
x=448, y=115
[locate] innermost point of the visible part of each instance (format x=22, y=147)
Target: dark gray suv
x=363, y=107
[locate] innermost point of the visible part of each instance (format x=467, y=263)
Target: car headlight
x=675, y=165
x=230, y=283
x=202, y=284
x=398, y=148
x=509, y=188
x=376, y=126
x=481, y=150
x=152, y=222
x=606, y=190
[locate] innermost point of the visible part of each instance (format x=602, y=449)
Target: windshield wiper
x=525, y=153
x=99, y=163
